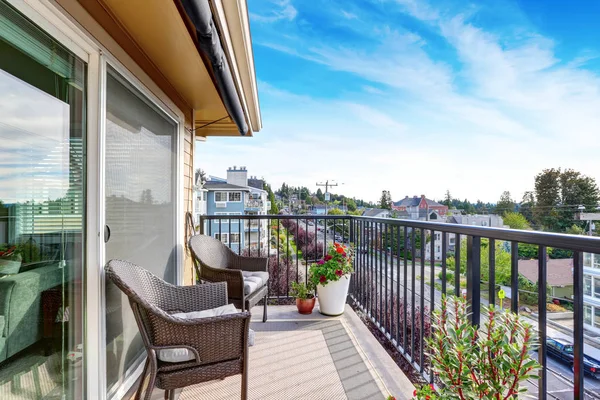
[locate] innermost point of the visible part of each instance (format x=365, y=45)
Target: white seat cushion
x=254, y=280
x=183, y=354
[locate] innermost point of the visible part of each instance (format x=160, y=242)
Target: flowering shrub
x=472, y=364
x=337, y=263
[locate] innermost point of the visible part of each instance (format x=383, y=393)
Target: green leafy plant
x=478, y=364
x=337, y=263
x=302, y=291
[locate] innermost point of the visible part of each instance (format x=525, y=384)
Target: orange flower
x=339, y=250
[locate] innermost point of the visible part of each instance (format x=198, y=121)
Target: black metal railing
x=403, y=267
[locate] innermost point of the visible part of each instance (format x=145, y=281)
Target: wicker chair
x=216, y=262
x=219, y=344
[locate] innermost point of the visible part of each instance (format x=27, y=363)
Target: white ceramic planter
x=332, y=297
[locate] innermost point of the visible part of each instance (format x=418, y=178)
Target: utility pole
x=327, y=185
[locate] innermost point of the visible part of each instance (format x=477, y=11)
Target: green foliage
x=527, y=205
x=528, y=251
x=559, y=193
x=515, y=220
x=503, y=262
x=449, y=276
x=506, y=204
x=460, y=354
x=386, y=200
x=302, y=291
x=351, y=204
x=337, y=263
x=335, y=211
x=575, y=230
x=320, y=195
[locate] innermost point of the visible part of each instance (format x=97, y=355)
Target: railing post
x=578, y=328
x=474, y=277
x=514, y=277
x=542, y=271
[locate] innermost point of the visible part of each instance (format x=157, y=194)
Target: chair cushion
x=182, y=354
x=254, y=280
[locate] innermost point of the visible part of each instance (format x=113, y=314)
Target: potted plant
x=470, y=363
x=331, y=277
x=305, y=296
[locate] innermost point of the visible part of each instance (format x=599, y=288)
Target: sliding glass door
x=140, y=209
x=42, y=213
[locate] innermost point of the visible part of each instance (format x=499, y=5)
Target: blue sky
x=419, y=97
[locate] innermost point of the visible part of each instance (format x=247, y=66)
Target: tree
x=386, y=200
x=527, y=205
x=320, y=195
x=447, y=199
x=199, y=177
x=516, y=220
x=351, y=204
x=274, y=209
x=559, y=194
x=505, y=204
x=335, y=211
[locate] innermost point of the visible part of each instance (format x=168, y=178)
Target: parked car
x=563, y=350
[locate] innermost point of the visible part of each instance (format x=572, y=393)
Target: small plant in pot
x=305, y=296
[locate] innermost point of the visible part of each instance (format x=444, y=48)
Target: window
x=596, y=316
x=220, y=196
x=224, y=237
x=587, y=285
x=235, y=238
x=587, y=315
x=597, y=287
x=235, y=196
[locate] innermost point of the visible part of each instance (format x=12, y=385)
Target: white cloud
x=348, y=15
x=281, y=10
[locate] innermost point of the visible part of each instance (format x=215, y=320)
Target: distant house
x=492, y=220
x=421, y=208
x=559, y=276
x=377, y=213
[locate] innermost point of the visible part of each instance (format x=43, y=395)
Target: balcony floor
x=310, y=357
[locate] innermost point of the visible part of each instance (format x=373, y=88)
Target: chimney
x=237, y=177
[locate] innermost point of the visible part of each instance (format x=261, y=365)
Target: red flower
x=322, y=279
x=339, y=272
x=415, y=393
x=344, y=254
x=432, y=387
x=328, y=257
x=336, y=244
x=339, y=250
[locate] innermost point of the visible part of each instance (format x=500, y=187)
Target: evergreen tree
x=386, y=200
x=506, y=204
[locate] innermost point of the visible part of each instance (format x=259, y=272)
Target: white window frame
x=218, y=236
x=220, y=193
x=238, y=237
x=234, y=201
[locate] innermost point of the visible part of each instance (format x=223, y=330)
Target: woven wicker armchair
x=216, y=262
x=219, y=344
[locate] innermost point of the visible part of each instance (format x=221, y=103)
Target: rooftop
x=560, y=271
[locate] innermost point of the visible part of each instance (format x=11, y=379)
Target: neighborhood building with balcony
x=233, y=196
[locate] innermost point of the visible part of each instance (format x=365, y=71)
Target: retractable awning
x=209, y=43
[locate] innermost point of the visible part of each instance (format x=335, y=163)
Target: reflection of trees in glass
x=147, y=197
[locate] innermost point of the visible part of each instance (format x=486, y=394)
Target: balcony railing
x=397, y=289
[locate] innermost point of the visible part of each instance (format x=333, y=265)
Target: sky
x=419, y=97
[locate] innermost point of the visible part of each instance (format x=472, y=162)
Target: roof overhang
x=164, y=33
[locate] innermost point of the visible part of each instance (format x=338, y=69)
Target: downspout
x=209, y=43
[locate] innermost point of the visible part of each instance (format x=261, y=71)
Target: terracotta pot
x=305, y=306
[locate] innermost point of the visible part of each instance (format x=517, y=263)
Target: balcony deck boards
x=310, y=357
